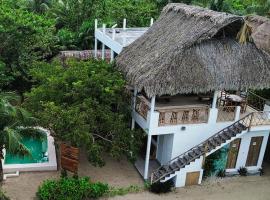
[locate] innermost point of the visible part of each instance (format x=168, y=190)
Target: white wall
x=165, y=146
x=244, y=148
x=180, y=180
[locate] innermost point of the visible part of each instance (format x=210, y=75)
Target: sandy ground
x=123, y=173
x=115, y=173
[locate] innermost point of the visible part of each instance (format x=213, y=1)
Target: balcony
x=247, y=102
x=174, y=110
x=195, y=109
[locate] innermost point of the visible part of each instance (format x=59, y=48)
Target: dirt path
x=116, y=173
x=123, y=174
x=238, y=188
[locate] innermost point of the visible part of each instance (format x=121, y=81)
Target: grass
x=114, y=191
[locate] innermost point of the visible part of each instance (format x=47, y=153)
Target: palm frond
x=14, y=144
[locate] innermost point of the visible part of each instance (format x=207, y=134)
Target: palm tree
x=12, y=117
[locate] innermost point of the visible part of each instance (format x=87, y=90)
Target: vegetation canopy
x=85, y=104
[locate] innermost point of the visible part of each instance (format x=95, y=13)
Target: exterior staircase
x=215, y=142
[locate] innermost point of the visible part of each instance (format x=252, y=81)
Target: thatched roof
x=260, y=32
x=193, y=50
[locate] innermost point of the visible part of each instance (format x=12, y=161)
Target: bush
x=71, y=189
x=242, y=171
x=221, y=173
x=3, y=196
x=162, y=187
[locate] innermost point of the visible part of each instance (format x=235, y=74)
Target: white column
x=149, y=138
x=112, y=53
x=151, y=22
x=103, y=45
x=214, y=103
x=124, y=24
x=133, y=108
x=96, y=41
x=237, y=113
x=147, y=157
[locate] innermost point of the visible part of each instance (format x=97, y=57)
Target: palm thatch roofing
x=190, y=49
x=260, y=31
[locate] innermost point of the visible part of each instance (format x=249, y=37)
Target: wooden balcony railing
x=142, y=106
x=226, y=113
x=189, y=115
x=260, y=118
x=255, y=101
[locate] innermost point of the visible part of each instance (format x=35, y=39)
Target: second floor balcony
x=195, y=109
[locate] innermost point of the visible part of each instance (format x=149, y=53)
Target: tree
x=11, y=117
x=25, y=38
x=85, y=105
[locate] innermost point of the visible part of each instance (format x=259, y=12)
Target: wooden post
x=134, y=107
x=250, y=123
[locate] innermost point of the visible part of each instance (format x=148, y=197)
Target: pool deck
x=51, y=165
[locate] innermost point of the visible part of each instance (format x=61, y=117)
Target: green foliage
x=3, y=196
x=242, y=171
x=221, y=173
x=123, y=191
x=25, y=37
x=85, y=104
x=209, y=164
x=71, y=189
x=160, y=187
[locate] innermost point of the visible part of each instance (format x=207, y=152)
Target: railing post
x=250, y=122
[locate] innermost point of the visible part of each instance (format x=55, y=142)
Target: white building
x=179, y=69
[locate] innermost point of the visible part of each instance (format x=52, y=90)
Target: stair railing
x=245, y=121
x=252, y=119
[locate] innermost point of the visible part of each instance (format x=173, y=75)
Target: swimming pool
x=42, y=158
x=38, y=148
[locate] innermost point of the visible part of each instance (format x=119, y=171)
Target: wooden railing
x=226, y=113
x=255, y=101
x=142, y=106
x=189, y=115
x=260, y=118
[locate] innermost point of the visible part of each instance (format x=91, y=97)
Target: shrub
x=123, y=191
x=242, y=171
x=3, y=196
x=261, y=171
x=162, y=187
x=221, y=173
x=71, y=189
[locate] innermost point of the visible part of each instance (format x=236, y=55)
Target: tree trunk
x=1, y=172
x=1, y=165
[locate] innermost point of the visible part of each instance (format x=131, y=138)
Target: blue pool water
x=38, y=148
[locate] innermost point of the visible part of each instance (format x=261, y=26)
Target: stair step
x=224, y=137
x=217, y=141
x=197, y=151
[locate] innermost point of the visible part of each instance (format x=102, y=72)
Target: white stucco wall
x=244, y=148
x=180, y=180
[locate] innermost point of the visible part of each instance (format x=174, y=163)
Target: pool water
x=38, y=148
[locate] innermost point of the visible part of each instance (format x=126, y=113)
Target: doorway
x=233, y=153
x=254, y=151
